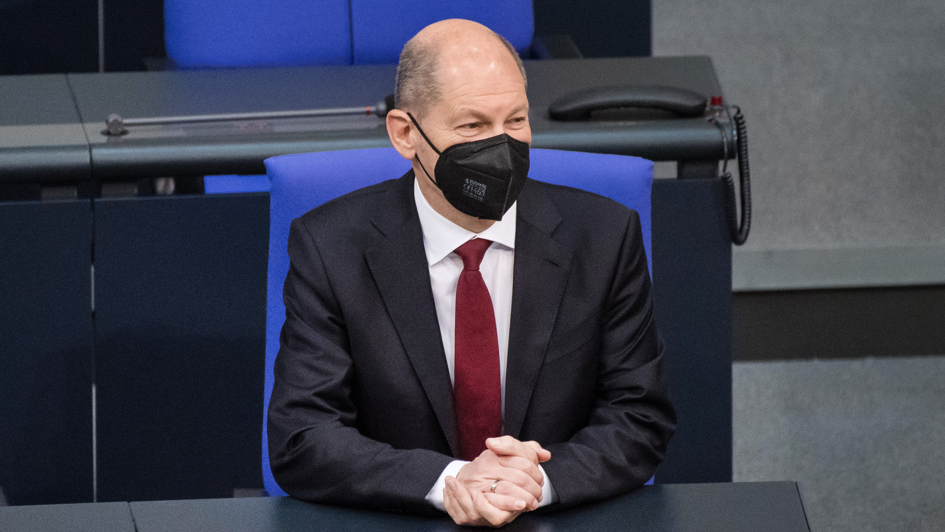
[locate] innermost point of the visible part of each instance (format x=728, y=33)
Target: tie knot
x=472, y=252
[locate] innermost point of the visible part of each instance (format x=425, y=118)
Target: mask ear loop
x=414, y=120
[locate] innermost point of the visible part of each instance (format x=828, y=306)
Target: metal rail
x=116, y=125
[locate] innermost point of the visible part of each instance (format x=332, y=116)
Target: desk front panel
x=179, y=345
x=46, y=352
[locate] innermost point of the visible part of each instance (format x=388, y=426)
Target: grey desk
x=53, y=130
x=88, y=517
x=765, y=506
x=41, y=135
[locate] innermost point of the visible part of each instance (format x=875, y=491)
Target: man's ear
x=398, y=129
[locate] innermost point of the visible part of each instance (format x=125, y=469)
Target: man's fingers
x=473, y=508
x=506, y=503
x=543, y=454
x=456, y=509
x=490, y=513
x=521, y=480
x=523, y=465
x=507, y=445
x=530, y=450
x=479, y=475
x=468, y=499
x=507, y=489
x=451, y=506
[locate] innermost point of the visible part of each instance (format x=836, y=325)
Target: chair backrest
x=624, y=179
x=231, y=33
x=380, y=28
x=235, y=33
x=300, y=183
x=304, y=181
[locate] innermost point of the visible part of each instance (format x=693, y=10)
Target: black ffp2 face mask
x=482, y=178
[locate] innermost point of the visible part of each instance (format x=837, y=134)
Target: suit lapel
x=541, y=271
x=398, y=264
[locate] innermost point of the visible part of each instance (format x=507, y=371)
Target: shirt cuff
x=548, y=493
x=435, y=495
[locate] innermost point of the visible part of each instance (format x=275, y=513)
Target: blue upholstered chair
x=302, y=182
x=380, y=28
x=233, y=33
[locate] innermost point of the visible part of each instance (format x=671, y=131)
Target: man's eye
x=471, y=125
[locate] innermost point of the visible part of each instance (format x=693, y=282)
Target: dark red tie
x=477, y=387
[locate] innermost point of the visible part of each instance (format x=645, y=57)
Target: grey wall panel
x=844, y=107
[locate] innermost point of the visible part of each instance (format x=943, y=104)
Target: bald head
x=453, y=44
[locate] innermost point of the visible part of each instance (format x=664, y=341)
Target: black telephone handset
x=628, y=103
x=644, y=102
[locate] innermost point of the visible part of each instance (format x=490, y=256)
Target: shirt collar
x=441, y=236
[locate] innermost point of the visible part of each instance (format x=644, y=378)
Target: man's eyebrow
x=479, y=115
x=521, y=108
x=468, y=112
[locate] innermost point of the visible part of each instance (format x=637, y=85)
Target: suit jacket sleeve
x=316, y=451
x=632, y=419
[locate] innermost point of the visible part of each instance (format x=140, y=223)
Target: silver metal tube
x=228, y=117
x=101, y=35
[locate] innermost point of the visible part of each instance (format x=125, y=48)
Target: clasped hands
x=469, y=498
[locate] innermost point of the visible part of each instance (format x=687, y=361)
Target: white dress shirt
x=440, y=238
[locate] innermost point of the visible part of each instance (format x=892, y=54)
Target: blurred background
x=840, y=285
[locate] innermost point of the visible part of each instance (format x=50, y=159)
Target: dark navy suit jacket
x=362, y=409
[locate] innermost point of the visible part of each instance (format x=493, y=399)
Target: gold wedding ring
x=494, y=484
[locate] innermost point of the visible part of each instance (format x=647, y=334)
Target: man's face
x=482, y=95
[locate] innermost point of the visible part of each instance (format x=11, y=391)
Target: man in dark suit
x=448, y=347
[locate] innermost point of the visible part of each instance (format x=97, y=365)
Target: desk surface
x=763, y=506
x=51, y=112
x=736, y=507
x=41, y=134
x=88, y=517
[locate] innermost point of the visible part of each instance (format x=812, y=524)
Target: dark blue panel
x=232, y=33
x=48, y=36
x=692, y=287
x=380, y=29
x=180, y=322
x=134, y=30
x=603, y=28
x=45, y=352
